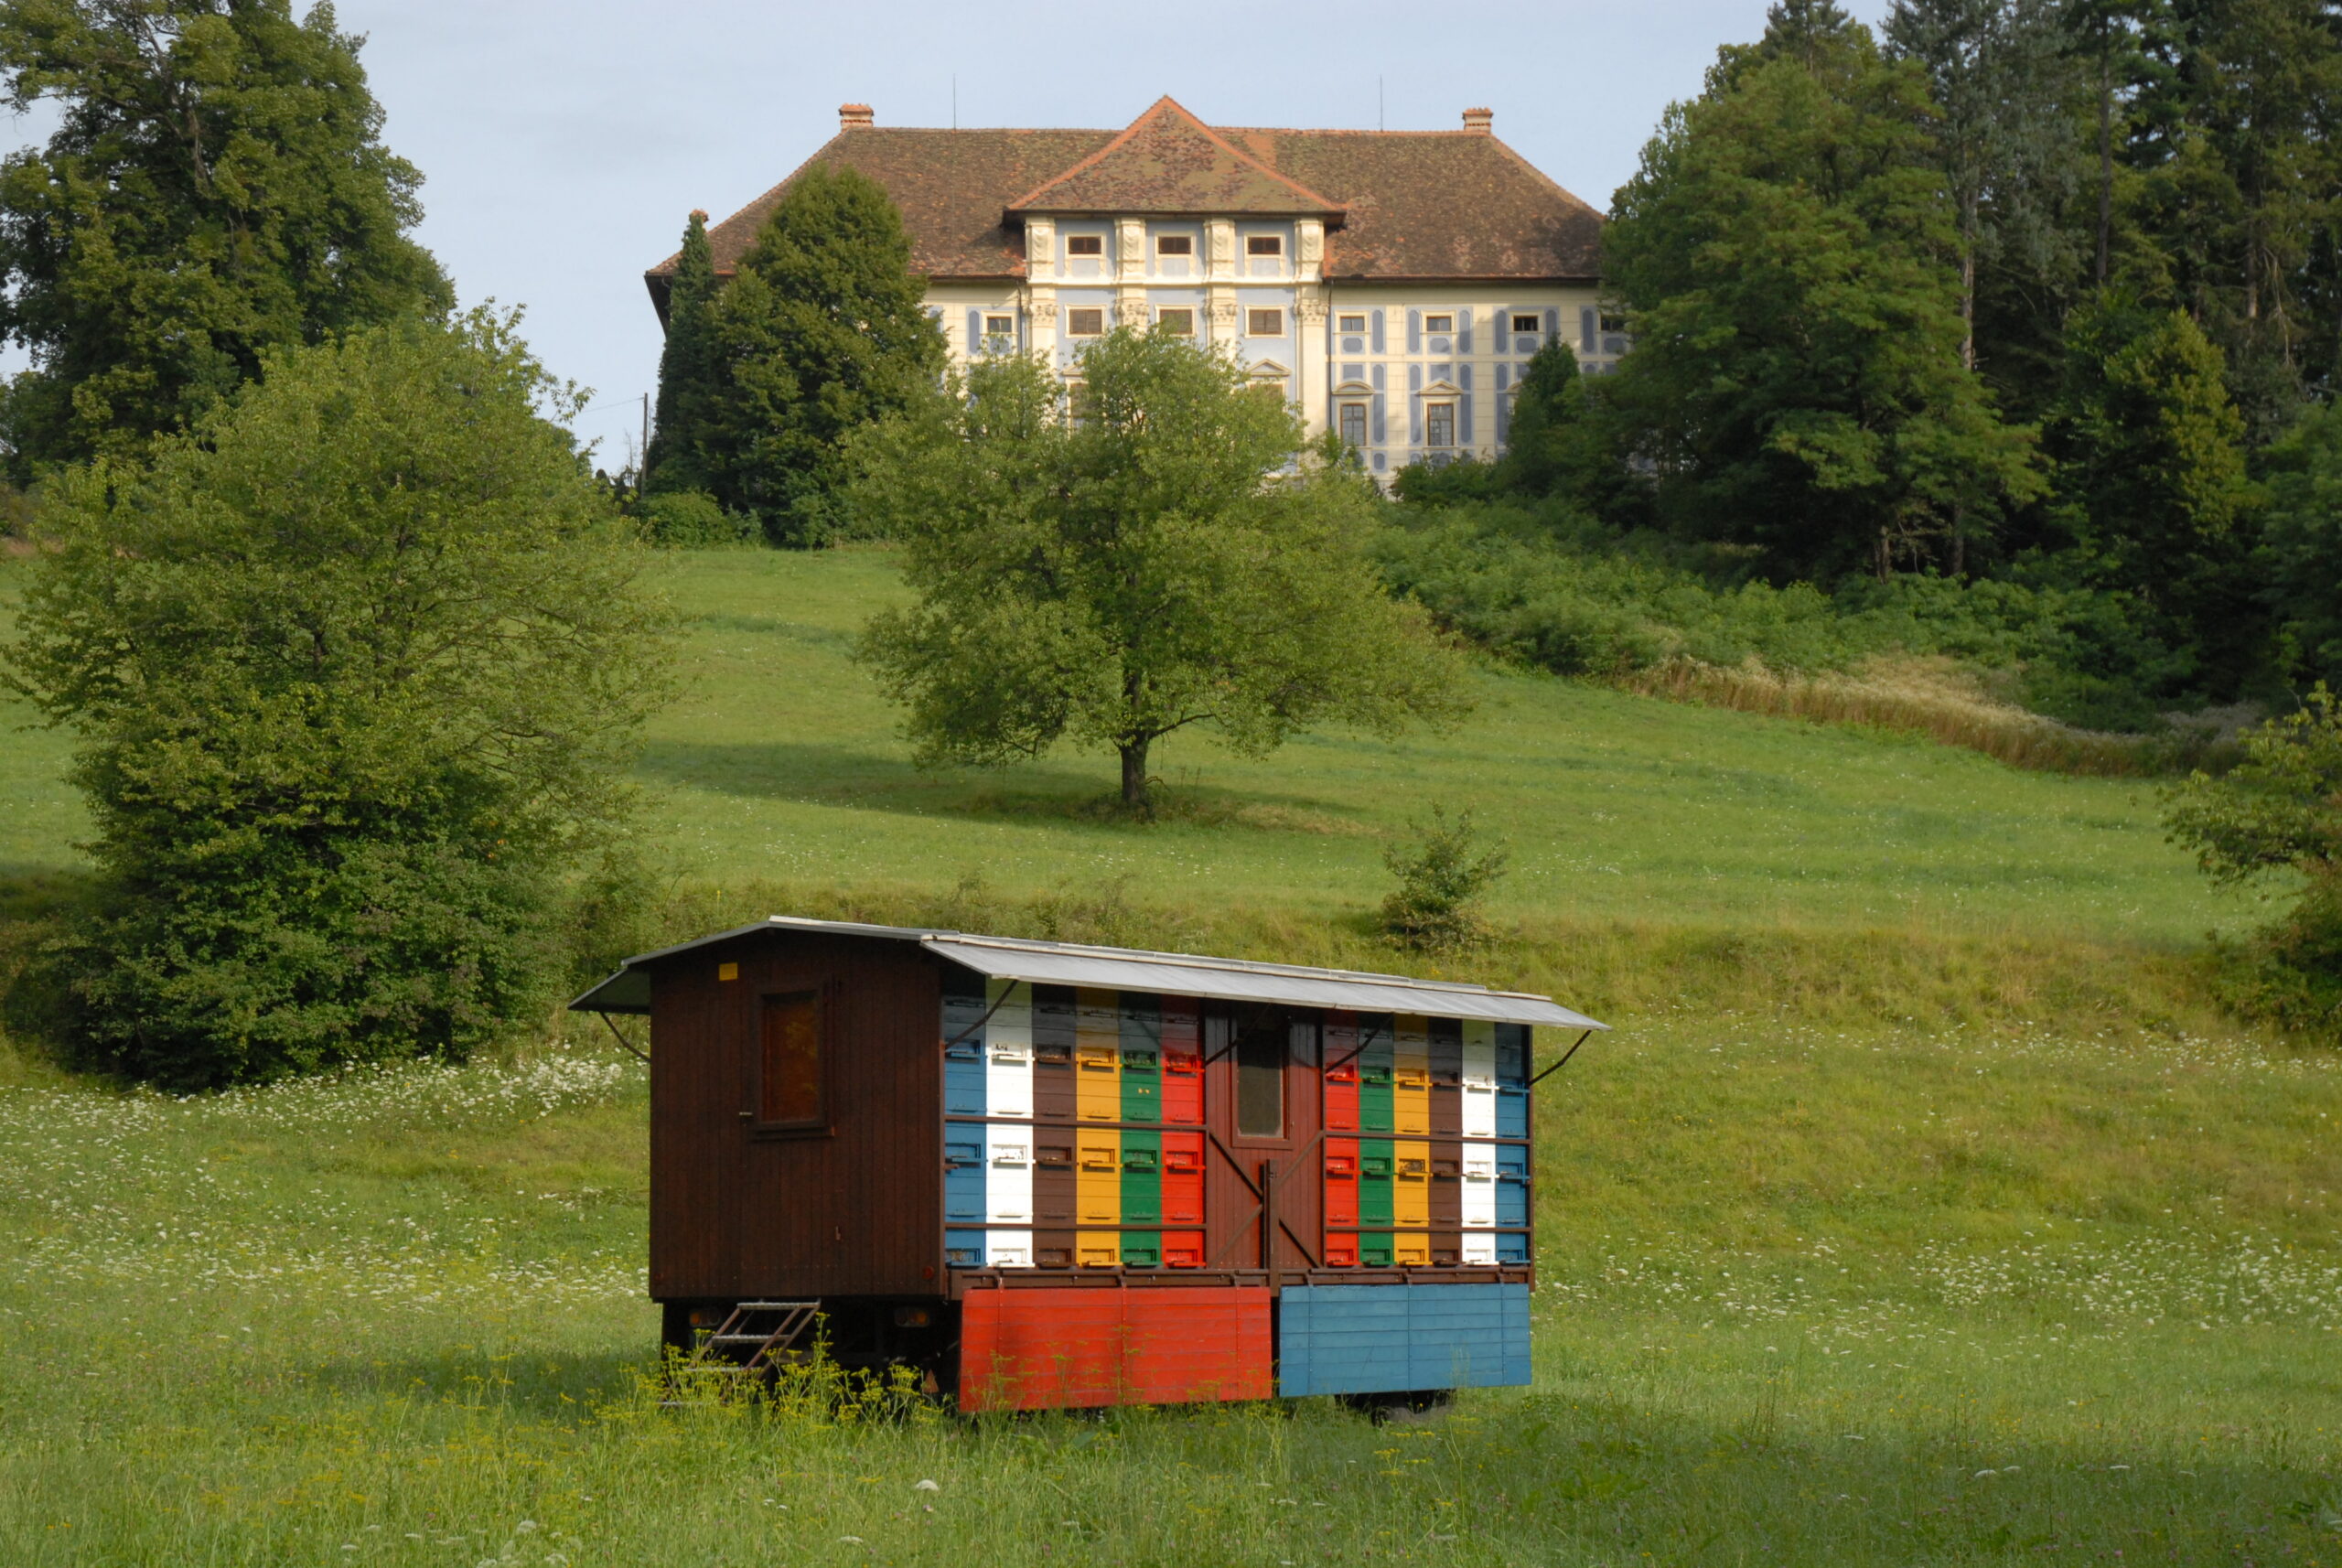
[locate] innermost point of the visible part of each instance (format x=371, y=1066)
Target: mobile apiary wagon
x=1052, y=1174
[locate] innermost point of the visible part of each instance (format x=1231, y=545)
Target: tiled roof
x=1169, y=161
x=1398, y=204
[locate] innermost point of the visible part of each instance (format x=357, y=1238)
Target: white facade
x=1406, y=372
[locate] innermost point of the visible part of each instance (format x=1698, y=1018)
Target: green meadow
x=1919, y=1211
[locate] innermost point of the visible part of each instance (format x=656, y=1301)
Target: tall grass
x=1807, y=1295
x=1934, y=698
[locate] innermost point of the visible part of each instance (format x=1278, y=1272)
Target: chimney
x=1480, y=122
x=854, y=117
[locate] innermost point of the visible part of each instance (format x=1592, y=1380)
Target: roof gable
x=1166, y=160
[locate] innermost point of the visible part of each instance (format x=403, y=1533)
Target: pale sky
x=563, y=142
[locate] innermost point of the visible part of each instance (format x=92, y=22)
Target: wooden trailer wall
x=748, y=1198
x=1054, y=1194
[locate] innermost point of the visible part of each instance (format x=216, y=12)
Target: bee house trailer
x=1050, y=1175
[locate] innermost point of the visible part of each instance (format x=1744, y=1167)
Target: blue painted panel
x=966, y=1248
x=1463, y=331
x=1512, y=1250
x=1512, y=1201
x=963, y=1081
x=963, y=1193
x=1360, y=1339
x=1512, y=1113
x=1586, y=325
x=1375, y=321
x=1414, y=332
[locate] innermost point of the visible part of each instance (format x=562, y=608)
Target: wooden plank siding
x=850, y=1208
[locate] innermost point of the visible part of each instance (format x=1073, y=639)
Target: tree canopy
x=216, y=188
x=1783, y=256
x=357, y=668
x=1164, y=554
x=824, y=329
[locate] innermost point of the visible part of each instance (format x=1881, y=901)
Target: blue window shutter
x=1463, y=329
x=1586, y=322
x=1500, y=330
x=1414, y=332
x=1377, y=323
x=1414, y=403
x=1463, y=420
x=1378, y=378
x=1378, y=423
x=1504, y=377
x=975, y=333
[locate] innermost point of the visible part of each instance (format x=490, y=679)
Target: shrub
x=2279, y=812
x=693, y=520
x=1442, y=876
x=357, y=668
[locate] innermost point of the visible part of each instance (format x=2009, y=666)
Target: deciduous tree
x=216, y=187
x=1168, y=554
x=1787, y=257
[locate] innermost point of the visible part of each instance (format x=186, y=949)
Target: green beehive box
x=1374, y=1180
x=1375, y=1250
x=1142, y=1249
x=1142, y=1047
x=1143, y=1178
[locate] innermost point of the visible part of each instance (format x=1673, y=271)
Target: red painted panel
x=1183, y=1178
x=1183, y=1063
x=1183, y=1249
x=1035, y=1350
x=1210, y=1343
x=1341, y=1181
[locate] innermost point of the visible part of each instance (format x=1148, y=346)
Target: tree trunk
x=2105, y=147
x=1134, y=795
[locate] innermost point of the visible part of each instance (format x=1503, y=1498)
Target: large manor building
x=1393, y=285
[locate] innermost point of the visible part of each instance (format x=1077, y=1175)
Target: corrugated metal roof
x=1131, y=969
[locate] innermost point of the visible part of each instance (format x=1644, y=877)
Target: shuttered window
x=1178, y=323
x=1264, y=323
x=1087, y=321
x=1085, y=244
x=789, y=1079
x=1174, y=245
x=1264, y=245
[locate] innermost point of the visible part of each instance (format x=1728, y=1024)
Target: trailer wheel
x=1404, y=1404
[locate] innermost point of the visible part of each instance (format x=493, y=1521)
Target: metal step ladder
x=767, y=1330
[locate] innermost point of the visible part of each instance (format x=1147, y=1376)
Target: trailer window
x=1259, y=1080
x=791, y=1089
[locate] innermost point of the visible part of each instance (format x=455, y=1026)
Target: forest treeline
x=2039, y=294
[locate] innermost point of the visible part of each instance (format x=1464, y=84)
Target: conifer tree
x=823, y=330
x=687, y=370
x=216, y=187
x=2152, y=485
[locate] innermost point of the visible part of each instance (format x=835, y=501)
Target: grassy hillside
x=782, y=762
x=1916, y=1214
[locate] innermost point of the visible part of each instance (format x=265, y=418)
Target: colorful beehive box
x=1045, y=1174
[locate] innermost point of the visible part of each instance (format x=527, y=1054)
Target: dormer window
x=1175, y=244
x=1085, y=244
x=1264, y=245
